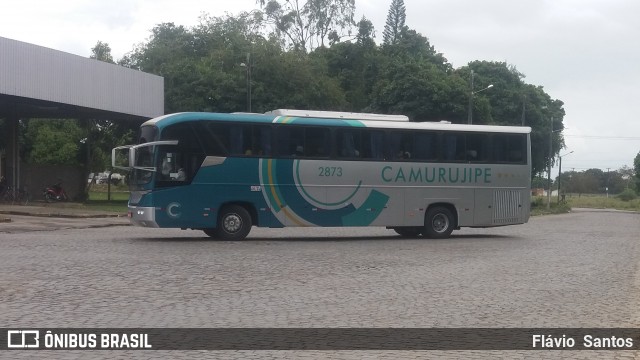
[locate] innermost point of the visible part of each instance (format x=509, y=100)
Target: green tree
x=395, y=22
x=538, y=182
x=203, y=72
x=100, y=136
x=189, y=70
x=305, y=25
x=415, y=46
x=627, y=174
x=56, y=142
x=581, y=182
x=300, y=82
x=502, y=105
x=102, y=52
x=354, y=66
x=366, y=33
x=417, y=89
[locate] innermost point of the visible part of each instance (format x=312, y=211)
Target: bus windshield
x=143, y=157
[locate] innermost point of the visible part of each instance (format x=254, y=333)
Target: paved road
x=574, y=270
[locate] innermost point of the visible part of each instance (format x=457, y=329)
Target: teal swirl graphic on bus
x=291, y=206
x=300, y=185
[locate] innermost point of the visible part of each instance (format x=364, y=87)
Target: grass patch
x=539, y=207
x=98, y=198
x=539, y=204
x=103, y=196
x=602, y=202
x=108, y=206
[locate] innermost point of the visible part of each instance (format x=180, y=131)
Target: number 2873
x=329, y=171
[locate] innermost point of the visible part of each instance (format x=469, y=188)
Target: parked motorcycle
x=55, y=193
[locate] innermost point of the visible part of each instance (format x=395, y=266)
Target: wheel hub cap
x=232, y=223
x=440, y=223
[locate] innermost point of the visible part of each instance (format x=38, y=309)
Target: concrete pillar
x=13, y=153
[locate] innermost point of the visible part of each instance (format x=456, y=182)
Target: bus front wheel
x=438, y=223
x=234, y=223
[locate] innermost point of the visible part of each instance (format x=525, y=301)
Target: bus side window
x=450, y=147
x=296, y=144
x=290, y=141
x=316, y=142
x=499, y=148
x=406, y=145
x=477, y=148
x=264, y=148
x=509, y=148
x=425, y=146
x=214, y=137
x=376, y=144
x=399, y=145
x=515, y=149
x=349, y=143
x=394, y=145
x=236, y=140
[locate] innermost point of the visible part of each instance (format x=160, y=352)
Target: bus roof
x=169, y=119
x=337, y=115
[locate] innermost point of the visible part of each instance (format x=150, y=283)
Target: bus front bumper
x=143, y=216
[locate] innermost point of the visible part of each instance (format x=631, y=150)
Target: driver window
x=172, y=167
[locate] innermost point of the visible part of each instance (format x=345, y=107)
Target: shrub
x=537, y=202
x=627, y=195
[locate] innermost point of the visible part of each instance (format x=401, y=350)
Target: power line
x=598, y=160
x=604, y=137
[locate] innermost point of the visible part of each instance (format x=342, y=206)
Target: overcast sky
x=583, y=52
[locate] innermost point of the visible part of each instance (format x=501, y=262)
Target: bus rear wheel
x=438, y=223
x=408, y=232
x=234, y=223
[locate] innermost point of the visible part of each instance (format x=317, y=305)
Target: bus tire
x=234, y=223
x=408, y=231
x=439, y=222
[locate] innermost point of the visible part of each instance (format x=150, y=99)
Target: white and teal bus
x=224, y=173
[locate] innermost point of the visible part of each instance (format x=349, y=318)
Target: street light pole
x=471, y=93
x=549, y=170
x=607, y=187
x=470, y=112
x=560, y=173
x=248, y=66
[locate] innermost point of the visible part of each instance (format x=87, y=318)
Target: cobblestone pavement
x=574, y=270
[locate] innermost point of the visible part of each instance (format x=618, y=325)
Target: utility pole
x=523, y=108
x=560, y=173
x=549, y=170
x=607, y=183
x=470, y=111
